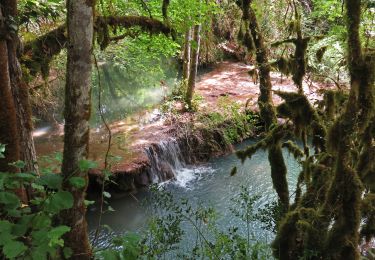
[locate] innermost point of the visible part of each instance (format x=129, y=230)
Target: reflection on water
x=210, y=184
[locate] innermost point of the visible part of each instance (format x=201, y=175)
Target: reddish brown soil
x=130, y=138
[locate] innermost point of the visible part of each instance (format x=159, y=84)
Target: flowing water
x=210, y=184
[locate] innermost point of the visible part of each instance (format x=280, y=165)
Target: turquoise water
x=209, y=184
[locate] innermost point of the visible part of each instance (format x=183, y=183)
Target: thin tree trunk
x=194, y=65
x=77, y=115
x=187, y=51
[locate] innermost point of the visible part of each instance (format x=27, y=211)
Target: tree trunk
x=9, y=124
x=187, y=51
x=21, y=99
x=77, y=115
x=8, y=119
x=267, y=112
x=194, y=65
x=347, y=189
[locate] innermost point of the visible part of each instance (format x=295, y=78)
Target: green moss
x=294, y=149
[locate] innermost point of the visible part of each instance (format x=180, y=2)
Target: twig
x=107, y=152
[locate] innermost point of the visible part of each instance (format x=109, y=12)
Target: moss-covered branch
x=145, y=23
x=265, y=103
x=39, y=52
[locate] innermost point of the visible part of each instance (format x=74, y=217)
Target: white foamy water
x=185, y=176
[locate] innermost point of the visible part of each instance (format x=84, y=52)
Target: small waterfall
x=165, y=160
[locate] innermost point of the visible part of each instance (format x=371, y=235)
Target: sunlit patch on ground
x=41, y=131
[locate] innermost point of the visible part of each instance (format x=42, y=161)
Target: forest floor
x=131, y=136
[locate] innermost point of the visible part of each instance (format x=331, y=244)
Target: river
x=209, y=184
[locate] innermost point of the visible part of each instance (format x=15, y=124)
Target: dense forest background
x=101, y=61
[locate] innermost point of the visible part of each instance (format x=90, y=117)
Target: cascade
x=165, y=160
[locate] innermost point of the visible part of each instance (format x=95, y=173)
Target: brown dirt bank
x=132, y=138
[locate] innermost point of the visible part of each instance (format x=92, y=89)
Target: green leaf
x=13, y=249
x=59, y=157
x=131, y=246
x=18, y=164
x=26, y=177
x=88, y=202
x=67, y=252
x=39, y=253
x=57, y=232
x=37, y=187
x=51, y=180
x=59, y=201
x=2, y=151
x=110, y=254
x=22, y=225
x=85, y=165
x=41, y=221
x=106, y=194
x=77, y=182
x=39, y=237
x=55, y=235
x=6, y=232
x=10, y=200
x=5, y=226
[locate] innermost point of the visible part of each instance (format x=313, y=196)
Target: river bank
x=144, y=147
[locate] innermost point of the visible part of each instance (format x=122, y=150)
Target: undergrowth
x=166, y=236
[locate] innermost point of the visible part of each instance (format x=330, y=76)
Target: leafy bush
x=29, y=231
x=237, y=123
x=165, y=235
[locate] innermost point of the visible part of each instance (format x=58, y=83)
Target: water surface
x=209, y=184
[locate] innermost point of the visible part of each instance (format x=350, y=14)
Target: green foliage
x=237, y=122
x=35, y=12
x=31, y=231
x=330, y=65
x=165, y=235
x=27, y=231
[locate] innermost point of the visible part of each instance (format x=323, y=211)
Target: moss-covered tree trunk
x=186, y=56
x=265, y=103
x=20, y=94
x=346, y=189
x=193, y=65
x=77, y=115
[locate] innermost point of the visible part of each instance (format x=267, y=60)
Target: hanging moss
x=305, y=118
x=250, y=150
x=368, y=215
x=366, y=163
x=102, y=33
x=330, y=109
x=253, y=73
x=278, y=173
x=248, y=41
x=294, y=26
x=294, y=149
x=343, y=238
x=297, y=234
x=240, y=35
x=320, y=52
x=39, y=53
x=284, y=66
